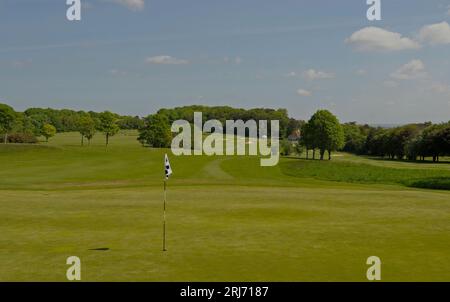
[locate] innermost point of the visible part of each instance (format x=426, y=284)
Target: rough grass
x=440, y=183
x=347, y=171
x=228, y=218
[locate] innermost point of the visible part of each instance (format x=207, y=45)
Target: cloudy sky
x=136, y=56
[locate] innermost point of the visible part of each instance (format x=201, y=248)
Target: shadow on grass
x=436, y=183
x=425, y=162
x=304, y=158
x=355, y=172
x=100, y=249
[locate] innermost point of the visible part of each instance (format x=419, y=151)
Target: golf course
x=228, y=218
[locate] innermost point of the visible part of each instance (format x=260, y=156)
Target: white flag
x=168, y=169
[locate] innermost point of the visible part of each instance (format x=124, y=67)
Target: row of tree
x=156, y=131
x=24, y=127
x=322, y=132
x=66, y=120
x=224, y=113
x=412, y=141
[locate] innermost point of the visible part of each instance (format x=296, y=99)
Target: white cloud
x=117, y=72
x=304, y=92
x=135, y=5
x=361, y=72
x=165, y=60
x=291, y=74
x=414, y=69
x=378, y=39
x=435, y=34
x=313, y=74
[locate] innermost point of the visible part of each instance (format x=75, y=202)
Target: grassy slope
x=229, y=219
x=362, y=172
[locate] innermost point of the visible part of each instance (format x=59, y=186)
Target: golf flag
x=168, y=169
x=168, y=172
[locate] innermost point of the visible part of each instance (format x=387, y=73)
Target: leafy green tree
x=286, y=147
x=39, y=120
x=48, y=131
x=376, y=142
x=402, y=136
x=354, y=138
x=413, y=148
x=7, y=119
x=24, y=124
x=87, y=128
x=130, y=122
x=294, y=125
x=436, y=138
x=298, y=148
x=307, y=139
x=108, y=125
x=328, y=133
x=156, y=132
x=223, y=113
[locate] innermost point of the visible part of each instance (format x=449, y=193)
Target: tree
x=24, y=125
x=327, y=131
x=293, y=126
x=86, y=127
x=223, y=113
x=130, y=122
x=156, y=132
x=354, y=138
x=108, y=125
x=399, y=138
x=298, y=149
x=48, y=131
x=286, y=147
x=436, y=138
x=7, y=119
x=307, y=139
x=413, y=148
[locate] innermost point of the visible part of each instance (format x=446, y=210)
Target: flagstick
x=164, y=219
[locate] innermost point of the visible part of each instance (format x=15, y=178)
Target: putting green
x=228, y=218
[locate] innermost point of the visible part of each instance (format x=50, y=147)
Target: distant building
x=295, y=136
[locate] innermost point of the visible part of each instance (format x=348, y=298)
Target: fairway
x=228, y=219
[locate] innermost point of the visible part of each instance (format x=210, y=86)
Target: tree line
x=322, y=133
x=25, y=127
x=224, y=113
x=156, y=132
x=154, y=129
x=411, y=142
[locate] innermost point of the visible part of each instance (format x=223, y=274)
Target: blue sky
x=136, y=56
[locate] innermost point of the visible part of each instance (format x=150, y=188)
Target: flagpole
x=164, y=219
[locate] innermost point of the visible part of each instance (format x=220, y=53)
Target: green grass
x=228, y=218
x=438, y=183
x=347, y=171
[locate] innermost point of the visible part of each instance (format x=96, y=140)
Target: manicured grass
x=228, y=218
